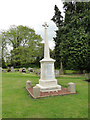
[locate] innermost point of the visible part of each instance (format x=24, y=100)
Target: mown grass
x=0, y=95
x=18, y=104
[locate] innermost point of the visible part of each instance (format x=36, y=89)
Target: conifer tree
x=73, y=36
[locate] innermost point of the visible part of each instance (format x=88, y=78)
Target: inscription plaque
x=49, y=71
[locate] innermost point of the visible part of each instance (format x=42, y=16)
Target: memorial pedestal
x=47, y=81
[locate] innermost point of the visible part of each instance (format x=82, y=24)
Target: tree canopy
x=72, y=37
x=25, y=43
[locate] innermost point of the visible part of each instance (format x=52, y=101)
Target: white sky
x=32, y=13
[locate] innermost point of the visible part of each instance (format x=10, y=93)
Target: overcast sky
x=31, y=13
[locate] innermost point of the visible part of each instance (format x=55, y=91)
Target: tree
x=3, y=48
x=40, y=54
x=25, y=43
x=77, y=24
x=58, y=20
x=75, y=36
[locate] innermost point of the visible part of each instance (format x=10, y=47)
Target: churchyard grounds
x=17, y=103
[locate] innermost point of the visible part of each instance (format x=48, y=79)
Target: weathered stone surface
x=87, y=76
x=12, y=69
x=22, y=70
x=61, y=72
x=4, y=70
x=8, y=69
x=47, y=80
x=71, y=87
x=36, y=91
x=57, y=73
x=30, y=70
x=38, y=72
x=46, y=45
x=28, y=84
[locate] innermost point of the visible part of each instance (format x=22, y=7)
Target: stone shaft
x=46, y=45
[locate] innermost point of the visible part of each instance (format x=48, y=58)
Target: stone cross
x=46, y=45
x=47, y=81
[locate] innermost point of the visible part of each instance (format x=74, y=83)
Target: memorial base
x=50, y=88
x=48, y=85
x=63, y=91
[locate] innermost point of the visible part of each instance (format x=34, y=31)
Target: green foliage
x=3, y=50
x=73, y=37
x=26, y=46
x=3, y=63
x=58, y=19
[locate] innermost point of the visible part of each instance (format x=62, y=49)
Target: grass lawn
x=18, y=104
